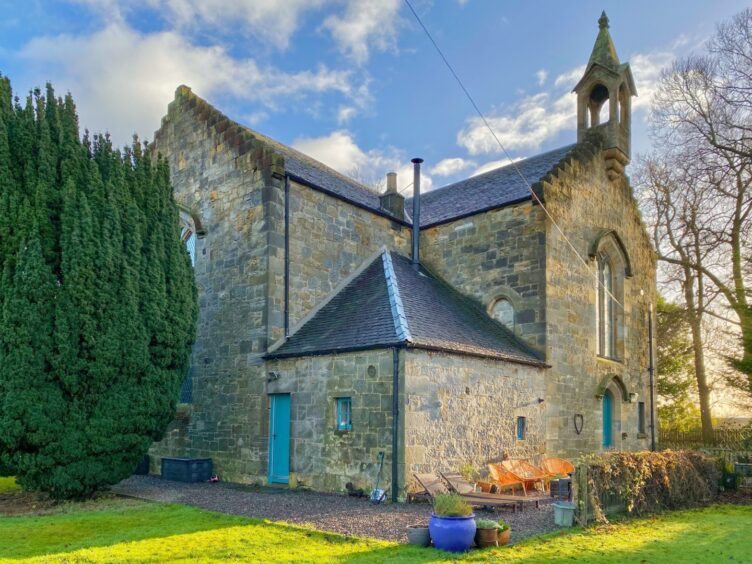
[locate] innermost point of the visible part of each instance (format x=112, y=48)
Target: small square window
x=520, y=428
x=344, y=414
x=641, y=417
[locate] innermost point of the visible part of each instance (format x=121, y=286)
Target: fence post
x=581, y=494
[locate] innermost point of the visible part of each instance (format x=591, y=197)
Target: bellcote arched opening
x=597, y=103
x=603, y=101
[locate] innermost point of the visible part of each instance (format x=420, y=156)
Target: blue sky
x=355, y=84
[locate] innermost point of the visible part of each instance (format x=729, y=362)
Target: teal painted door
x=608, y=439
x=279, y=439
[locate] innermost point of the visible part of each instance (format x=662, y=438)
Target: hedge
x=645, y=482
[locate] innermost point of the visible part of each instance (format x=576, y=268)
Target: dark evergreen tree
x=97, y=300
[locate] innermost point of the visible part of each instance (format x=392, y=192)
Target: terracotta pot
x=505, y=537
x=486, y=537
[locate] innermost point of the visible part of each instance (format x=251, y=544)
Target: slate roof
x=311, y=171
x=496, y=188
x=389, y=303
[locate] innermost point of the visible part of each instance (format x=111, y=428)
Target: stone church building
x=325, y=340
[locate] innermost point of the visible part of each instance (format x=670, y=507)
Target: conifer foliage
x=97, y=300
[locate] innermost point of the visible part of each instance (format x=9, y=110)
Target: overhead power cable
x=504, y=150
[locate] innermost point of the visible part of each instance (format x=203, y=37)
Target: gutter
x=355, y=203
x=406, y=345
x=395, y=423
x=287, y=256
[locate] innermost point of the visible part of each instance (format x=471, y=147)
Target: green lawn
x=128, y=530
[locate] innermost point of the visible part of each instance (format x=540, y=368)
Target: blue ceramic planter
x=454, y=534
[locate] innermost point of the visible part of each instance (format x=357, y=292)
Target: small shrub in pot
x=452, y=524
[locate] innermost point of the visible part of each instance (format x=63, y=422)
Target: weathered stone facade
x=493, y=255
x=586, y=204
x=275, y=244
x=323, y=253
x=322, y=457
x=461, y=410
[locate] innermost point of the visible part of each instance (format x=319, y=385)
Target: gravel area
x=325, y=512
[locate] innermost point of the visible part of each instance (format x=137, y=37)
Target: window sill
x=342, y=432
x=642, y=435
x=610, y=359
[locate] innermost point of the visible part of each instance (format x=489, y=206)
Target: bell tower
x=604, y=104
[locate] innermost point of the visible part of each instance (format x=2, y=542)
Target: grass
x=128, y=530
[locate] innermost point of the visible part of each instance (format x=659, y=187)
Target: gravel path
x=325, y=512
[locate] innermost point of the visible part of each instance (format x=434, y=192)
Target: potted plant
x=486, y=533
x=469, y=473
x=504, y=532
x=452, y=524
x=418, y=535
x=492, y=533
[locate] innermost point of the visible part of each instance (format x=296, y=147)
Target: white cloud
x=569, y=78
x=123, y=79
x=345, y=114
x=273, y=21
x=365, y=25
x=525, y=125
x=492, y=165
x=340, y=151
x=448, y=167
x=541, y=76
x=539, y=117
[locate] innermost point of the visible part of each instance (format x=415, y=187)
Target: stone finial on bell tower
x=604, y=100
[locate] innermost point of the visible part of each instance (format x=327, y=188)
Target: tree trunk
x=695, y=325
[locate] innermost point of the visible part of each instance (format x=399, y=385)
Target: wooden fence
x=729, y=439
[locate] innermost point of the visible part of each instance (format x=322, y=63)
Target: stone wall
x=321, y=457
x=585, y=203
x=329, y=239
x=235, y=185
x=500, y=253
x=227, y=179
x=461, y=409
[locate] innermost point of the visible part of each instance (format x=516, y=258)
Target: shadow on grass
x=117, y=522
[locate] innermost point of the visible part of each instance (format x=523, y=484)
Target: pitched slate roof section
x=312, y=172
x=494, y=189
x=391, y=304
x=358, y=317
x=497, y=188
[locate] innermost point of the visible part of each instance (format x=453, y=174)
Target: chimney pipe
x=416, y=213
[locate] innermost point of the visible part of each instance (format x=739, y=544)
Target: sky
x=355, y=84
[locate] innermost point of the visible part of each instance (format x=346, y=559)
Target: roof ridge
x=395, y=299
x=496, y=170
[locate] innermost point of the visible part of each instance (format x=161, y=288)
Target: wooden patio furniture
x=460, y=485
x=557, y=466
x=434, y=486
x=503, y=479
x=528, y=474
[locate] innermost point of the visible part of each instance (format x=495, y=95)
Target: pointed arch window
x=606, y=308
x=188, y=235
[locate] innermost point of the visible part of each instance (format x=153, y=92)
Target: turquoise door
x=608, y=439
x=279, y=439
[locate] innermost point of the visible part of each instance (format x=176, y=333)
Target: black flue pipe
x=416, y=213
